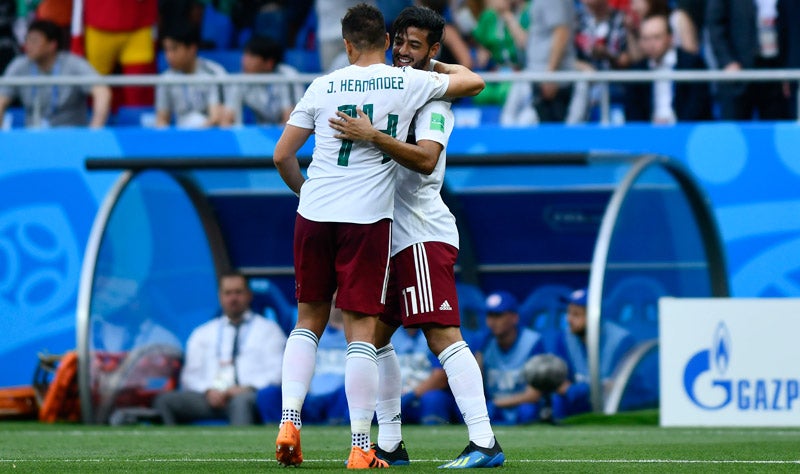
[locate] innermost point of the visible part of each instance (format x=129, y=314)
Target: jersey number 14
x=347, y=145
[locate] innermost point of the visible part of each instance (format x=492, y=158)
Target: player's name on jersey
x=365, y=85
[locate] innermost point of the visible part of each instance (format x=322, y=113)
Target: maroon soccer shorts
x=422, y=286
x=352, y=257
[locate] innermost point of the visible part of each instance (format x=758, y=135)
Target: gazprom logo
x=707, y=384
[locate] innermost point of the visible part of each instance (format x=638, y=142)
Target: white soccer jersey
x=420, y=214
x=353, y=181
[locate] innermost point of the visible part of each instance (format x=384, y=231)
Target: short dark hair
x=184, y=33
x=50, y=30
x=265, y=48
x=363, y=26
x=423, y=18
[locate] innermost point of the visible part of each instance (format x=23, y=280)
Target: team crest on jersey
x=437, y=122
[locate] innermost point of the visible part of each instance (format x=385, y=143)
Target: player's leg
x=316, y=282
x=362, y=268
x=138, y=56
x=242, y=410
x=390, y=445
x=432, y=303
x=181, y=406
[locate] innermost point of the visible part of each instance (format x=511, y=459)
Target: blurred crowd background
x=133, y=37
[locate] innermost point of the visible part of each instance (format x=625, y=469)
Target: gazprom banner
x=729, y=362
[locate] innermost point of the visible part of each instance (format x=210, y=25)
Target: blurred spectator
x=549, y=45
x=125, y=317
x=463, y=13
x=177, y=15
x=59, y=12
x=8, y=42
x=329, y=29
x=227, y=360
x=684, y=31
x=54, y=106
x=495, y=33
x=455, y=49
x=601, y=37
x=326, y=401
x=696, y=10
x=193, y=105
x=663, y=101
x=744, y=36
x=509, y=397
x=601, y=43
x=573, y=396
x=789, y=45
x=500, y=31
x=118, y=35
x=269, y=103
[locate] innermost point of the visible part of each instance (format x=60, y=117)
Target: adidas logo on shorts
x=445, y=306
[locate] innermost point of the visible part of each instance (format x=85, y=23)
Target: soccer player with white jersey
x=424, y=250
x=343, y=224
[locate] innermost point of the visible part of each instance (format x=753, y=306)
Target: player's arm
x=285, y=156
x=101, y=105
x=463, y=81
x=528, y=395
x=437, y=380
x=4, y=103
x=421, y=157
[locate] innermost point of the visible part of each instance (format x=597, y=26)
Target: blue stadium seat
x=544, y=308
x=302, y=59
x=217, y=28
x=633, y=304
x=271, y=302
x=230, y=59
x=133, y=116
x=17, y=117
x=306, y=37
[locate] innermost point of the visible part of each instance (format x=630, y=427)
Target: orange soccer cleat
x=364, y=460
x=287, y=446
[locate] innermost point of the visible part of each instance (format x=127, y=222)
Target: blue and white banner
x=729, y=362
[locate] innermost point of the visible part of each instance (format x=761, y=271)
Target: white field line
x=513, y=461
x=224, y=431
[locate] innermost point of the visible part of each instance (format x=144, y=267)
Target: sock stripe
x=385, y=351
x=451, y=351
x=306, y=334
x=363, y=350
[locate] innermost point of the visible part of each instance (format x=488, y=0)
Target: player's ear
x=387, y=43
x=349, y=49
x=434, y=51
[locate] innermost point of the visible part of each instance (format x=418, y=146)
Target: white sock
x=299, y=360
x=466, y=383
x=361, y=386
x=388, y=408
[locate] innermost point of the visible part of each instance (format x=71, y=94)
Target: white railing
x=600, y=77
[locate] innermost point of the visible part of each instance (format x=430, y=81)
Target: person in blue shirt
x=573, y=396
x=510, y=399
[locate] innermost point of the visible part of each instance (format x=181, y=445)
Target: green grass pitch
x=630, y=443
